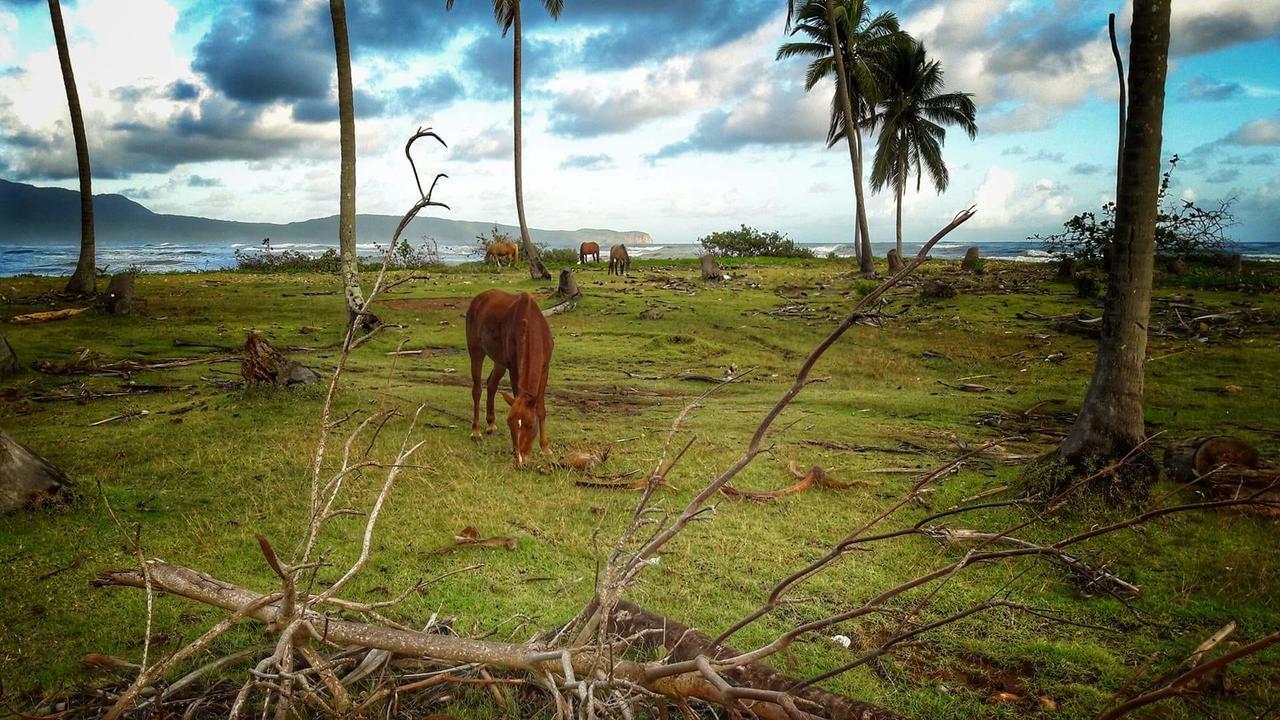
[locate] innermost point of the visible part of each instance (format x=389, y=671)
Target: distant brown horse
x=511, y=330
x=499, y=249
x=588, y=250
x=619, y=260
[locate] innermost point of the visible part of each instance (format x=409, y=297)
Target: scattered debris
x=815, y=477
x=47, y=316
x=470, y=537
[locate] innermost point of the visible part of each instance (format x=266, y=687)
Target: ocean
x=60, y=258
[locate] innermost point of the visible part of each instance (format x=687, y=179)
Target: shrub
x=750, y=242
x=1183, y=228
x=558, y=256
x=289, y=261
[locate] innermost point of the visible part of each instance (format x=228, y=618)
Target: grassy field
x=210, y=465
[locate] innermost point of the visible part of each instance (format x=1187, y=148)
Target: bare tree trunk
x=866, y=263
x=537, y=270
x=350, y=269
x=902, y=181
x=26, y=479
x=84, y=280
x=1110, y=423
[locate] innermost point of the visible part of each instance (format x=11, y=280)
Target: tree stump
x=26, y=479
x=1066, y=269
x=568, y=289
x=1191, y=458
x=1235, y=264
x=119, y=296
x=970, y=261
x=937, y=290
x=711, y=269
x=8, y=359
x=1177, y=266
x=895, y=261
x=262, y=363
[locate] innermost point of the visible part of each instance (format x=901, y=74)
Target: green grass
x=207, y=468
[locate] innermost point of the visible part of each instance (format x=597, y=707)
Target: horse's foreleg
x=495, y=377
x=542, y=422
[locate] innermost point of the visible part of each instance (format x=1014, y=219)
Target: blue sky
x=667, y=116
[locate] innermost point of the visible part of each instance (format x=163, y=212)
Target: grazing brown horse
x=588, y=250
x=619, y=260
x=511, y=330
x=500, y=249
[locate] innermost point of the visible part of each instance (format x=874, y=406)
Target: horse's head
x=523, y=424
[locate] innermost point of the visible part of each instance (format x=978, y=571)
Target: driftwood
x=262, y=363
x=895, y=260
x=711, y=269
x=48, y=315
x=119, y=296
x=970, y=261
x=8, y=359
x=26, y=479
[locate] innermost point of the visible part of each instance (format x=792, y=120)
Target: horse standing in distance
x=500, y=249
x=588, y=250
x=512, y=331
x=619, y=260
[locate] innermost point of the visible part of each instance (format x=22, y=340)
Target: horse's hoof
x=491, y=429
x=475, y=434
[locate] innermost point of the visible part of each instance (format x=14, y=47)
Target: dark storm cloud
x=1221, y=29
x=323, y=110
x=264, y=51
x=1224, y=175
x=587, y=162
x=199, y=181
x=1050, y=48
x=718, y=131
x=488, y=64
x=181, y=90
x=1209, y=90
x=432, y=94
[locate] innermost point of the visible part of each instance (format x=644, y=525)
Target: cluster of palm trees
x=886, y=85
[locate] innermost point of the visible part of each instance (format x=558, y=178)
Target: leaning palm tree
x=864, y=42
x=84, y=280
x=507, y=13
x=911, y=118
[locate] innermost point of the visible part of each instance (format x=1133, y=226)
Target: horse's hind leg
x=495, y=377
x=477, y=369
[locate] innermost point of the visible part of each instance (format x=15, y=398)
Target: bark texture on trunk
x=26, y=479
x=853, y=138
x=84, y=280
x=8, y=359
x=350, y=269
x=1110, y=423
x=537, y=270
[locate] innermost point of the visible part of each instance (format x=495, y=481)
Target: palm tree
x=864, y=43
x=84, y=281
x=507, y=13
x=350, y=267
x=911, y=117
x=1110, y=425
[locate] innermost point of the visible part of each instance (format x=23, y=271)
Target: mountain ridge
x=42, y=215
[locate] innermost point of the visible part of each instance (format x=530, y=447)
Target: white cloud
x=1003, y=201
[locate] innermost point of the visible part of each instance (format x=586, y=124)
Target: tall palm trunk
x=350, y=269
x=1110, y=423
x=852, y=138
x=537, y=270
x=900, y=187
x=84, y=280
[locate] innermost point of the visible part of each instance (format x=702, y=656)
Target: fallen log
x=47, y=316
x=1189, y=459
x=26, y=479
x=753, y=682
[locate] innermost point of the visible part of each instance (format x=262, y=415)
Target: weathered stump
x=1189, y=459
x=895, y=261
x=651, y=314
x=262, y=363
x=970, y=261
x=26, y=479
x=1177, y=266
x=1066, y=269
x=711, y=269
x=8, y=359
x=568, y=289
x=119, y=296
x=1235, y=264
x=937, y=290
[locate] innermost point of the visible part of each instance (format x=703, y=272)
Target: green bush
x=558, y=256
x=289, y=261
x=750, y=242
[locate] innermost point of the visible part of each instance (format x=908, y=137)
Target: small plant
x=980, y=266
x=750, y=242
x=1087, y=286
x=1183, y=229
x=558, y=256
x=407, y=257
